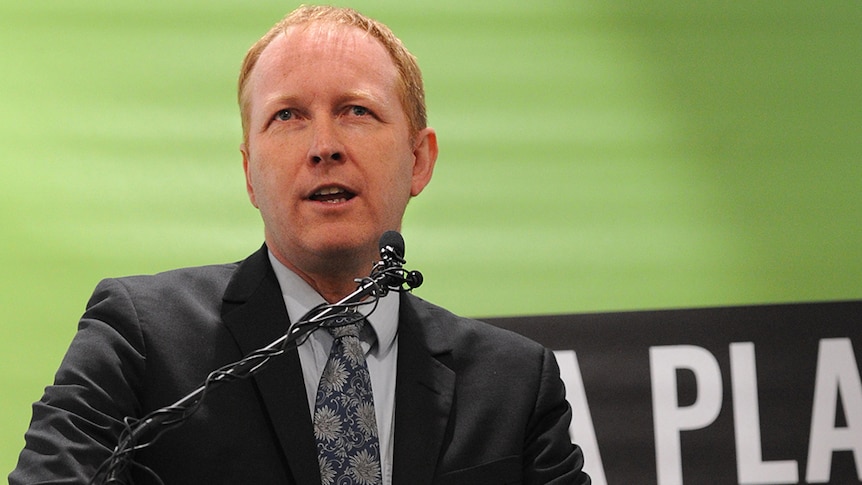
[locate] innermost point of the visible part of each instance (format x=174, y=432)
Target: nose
x=325, y=143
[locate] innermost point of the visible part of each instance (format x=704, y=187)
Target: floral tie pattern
x=345, y=426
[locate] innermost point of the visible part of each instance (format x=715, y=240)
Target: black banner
x=740, y=395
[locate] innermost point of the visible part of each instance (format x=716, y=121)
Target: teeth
x=329, y=191
x=332, y=195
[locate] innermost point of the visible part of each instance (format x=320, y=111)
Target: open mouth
x=332, y=195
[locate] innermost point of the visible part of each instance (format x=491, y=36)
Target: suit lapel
x=254, y=312
x=424, y=393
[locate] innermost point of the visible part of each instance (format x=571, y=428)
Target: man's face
x=330, y=160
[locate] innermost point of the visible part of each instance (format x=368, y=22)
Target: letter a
x=837, y=375
x=581, y=429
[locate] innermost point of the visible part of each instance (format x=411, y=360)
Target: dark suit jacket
x=474, y=404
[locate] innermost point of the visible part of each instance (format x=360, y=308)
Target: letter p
x=669, y=418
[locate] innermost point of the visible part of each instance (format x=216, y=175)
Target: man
x=335, y=143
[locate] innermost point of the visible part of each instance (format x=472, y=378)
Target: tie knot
x=349, y=330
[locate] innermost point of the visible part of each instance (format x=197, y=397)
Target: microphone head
x=391, y=241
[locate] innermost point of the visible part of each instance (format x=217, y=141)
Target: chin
x=346, y=247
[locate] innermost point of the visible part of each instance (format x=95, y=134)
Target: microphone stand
x=387, y=274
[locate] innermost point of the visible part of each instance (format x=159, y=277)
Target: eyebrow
x=361, y=94
x=289, y=99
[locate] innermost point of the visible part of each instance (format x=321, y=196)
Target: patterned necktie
x=345, y=425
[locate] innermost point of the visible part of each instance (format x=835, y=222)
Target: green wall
x=594, y=156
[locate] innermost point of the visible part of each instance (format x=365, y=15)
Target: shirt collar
x=300, y=297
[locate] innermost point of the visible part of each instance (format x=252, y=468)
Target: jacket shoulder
x=200, y=279
x=472, y=335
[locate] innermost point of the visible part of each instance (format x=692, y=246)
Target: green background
x=595, y=156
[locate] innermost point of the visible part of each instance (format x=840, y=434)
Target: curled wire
x=141, y=433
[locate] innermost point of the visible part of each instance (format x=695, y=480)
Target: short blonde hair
x=412, y=91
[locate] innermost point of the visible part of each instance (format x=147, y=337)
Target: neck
x=331, y=290
x=333, y=279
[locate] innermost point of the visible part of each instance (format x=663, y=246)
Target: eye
x=283, y=115
x=359, y=110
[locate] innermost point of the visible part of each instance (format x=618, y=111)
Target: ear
x=424, y=158
x=243, y=148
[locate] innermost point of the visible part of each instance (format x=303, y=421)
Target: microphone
x=392, y=247
x=392, y=260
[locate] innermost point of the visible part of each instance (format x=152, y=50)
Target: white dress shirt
x=379, y=340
